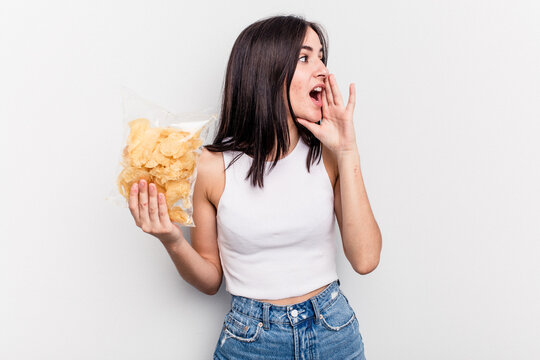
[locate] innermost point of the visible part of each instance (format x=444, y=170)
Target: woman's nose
x=322, y=71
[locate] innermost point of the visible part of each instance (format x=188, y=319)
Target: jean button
x=294, y=313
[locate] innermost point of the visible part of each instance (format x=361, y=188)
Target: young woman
x=265, y=204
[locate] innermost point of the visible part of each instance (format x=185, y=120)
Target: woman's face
x=309, y=75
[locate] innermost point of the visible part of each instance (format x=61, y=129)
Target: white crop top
x=278, y=241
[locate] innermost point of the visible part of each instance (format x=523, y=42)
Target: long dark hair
x=253, y=116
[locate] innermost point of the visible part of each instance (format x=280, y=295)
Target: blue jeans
x=323, y=327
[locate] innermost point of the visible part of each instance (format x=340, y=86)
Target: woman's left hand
x=336, y=130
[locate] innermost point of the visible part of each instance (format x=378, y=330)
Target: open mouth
x=316, y=96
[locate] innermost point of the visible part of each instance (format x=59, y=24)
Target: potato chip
x=156, y=159
x=177, y=190
x=186, y=203
x=174, y=145
x=142, y=153
x=137, y=128
x=166, y=157
x=180, y=216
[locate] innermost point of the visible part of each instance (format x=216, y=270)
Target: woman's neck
x=293, y=140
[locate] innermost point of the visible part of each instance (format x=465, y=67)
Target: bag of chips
x=163, y=148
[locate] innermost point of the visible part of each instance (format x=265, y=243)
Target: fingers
x=332, y=95
x=324, y=105
x=143, y=204
x=134, y=202
x=153, y=204
x=328, y=91
x=338, y=100
x=149, y=208
x=352, y=98
x=163, y=211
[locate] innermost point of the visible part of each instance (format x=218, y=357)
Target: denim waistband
x=285, y=314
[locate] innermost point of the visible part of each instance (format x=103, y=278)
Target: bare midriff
x=295, y=299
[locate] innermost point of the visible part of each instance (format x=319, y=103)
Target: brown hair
x=253, y=117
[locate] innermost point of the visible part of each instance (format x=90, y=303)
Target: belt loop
x=315, y=309
x=266, y=320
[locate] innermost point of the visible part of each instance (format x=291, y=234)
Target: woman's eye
x=303, y=57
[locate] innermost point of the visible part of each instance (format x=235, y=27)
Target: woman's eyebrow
x=310, y=48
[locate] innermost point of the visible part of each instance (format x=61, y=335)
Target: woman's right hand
x=150, y=213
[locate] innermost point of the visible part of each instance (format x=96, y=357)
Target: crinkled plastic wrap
x=163, y=148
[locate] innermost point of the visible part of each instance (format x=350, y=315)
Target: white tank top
x=278, y=241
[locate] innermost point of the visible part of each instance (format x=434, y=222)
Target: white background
x=447, y=123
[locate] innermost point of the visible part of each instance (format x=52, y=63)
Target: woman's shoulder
x=210, y=159
x=211, y=174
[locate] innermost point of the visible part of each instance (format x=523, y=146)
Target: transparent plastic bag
x=163, y=148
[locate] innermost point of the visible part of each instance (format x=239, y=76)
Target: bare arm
x=361, y=236
x=192, y=262
x=193, y=268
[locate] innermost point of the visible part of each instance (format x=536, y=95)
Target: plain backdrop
x=447, y=123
